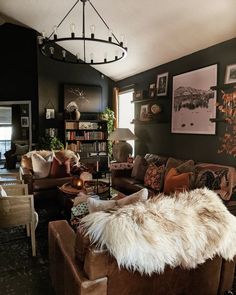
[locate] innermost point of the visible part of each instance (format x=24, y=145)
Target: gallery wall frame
x=230, y=74
x=162, y=84
x=193, y=101
x=24, y=121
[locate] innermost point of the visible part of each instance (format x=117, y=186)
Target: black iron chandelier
x=84, y=55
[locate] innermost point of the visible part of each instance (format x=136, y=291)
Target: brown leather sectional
x=77, y=268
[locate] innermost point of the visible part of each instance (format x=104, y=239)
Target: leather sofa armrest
x=27, y=176
x=121, y=173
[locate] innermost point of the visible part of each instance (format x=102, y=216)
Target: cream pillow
x=41, y=166
x=95, y=205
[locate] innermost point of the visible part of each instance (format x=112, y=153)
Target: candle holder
x=77, y=182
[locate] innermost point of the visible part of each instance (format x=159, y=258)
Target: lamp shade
x=122, y=134
x=122, y=149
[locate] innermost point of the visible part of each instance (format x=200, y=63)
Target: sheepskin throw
x=182, y=230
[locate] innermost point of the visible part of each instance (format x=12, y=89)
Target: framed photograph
x=230, y=74
x=87, y=97
x=152, y=90
x=193, y=101
x=144, y=113
x=162, y=83
x=50, y=114
x=139, y=94
x=24, y=121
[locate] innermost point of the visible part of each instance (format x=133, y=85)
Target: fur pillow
x=175, y=182
x=26, y=163
x=41, y=166
x=154, y=176
x=95, y=205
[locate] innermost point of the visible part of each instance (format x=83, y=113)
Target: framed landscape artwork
x=193, y=102
x=88, y=98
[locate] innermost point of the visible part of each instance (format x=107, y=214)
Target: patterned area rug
x=22, y=274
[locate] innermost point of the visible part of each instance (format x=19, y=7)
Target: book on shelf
x=71, y=125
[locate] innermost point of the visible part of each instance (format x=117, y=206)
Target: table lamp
x=121, y=149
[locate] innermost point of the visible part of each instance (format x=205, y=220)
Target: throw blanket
x=183, y=230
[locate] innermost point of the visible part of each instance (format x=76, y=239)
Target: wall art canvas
x=193, y=102
x=88, y=98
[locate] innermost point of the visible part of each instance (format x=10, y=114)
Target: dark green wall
x=18, y=64
x=157, y=137
x=27, y=75
x=53, y=75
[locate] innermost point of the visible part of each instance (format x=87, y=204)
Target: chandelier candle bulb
x=97, y=166
x=109, y=35
x=63, y=54
x=72, y=29
x=55, y=32
x=51, y=50
x=92, y=29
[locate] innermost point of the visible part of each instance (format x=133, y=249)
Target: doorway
x=15, y=124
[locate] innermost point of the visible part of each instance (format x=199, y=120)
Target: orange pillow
x=60, y=169
x=175, y=182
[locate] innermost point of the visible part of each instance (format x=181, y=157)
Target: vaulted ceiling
x=157, y=31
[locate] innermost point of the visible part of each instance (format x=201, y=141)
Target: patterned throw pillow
x=154, y=176
x=175, y=182
x=220, y=178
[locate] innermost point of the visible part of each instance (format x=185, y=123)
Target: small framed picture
x=24, y=121
x=144, y=113
x=50, y=114
x=162, y=83
x=230, y=74
x=152, y=90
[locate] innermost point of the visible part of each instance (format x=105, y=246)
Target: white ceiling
x=157, y=31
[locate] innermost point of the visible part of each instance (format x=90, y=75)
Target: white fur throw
x=183, y=230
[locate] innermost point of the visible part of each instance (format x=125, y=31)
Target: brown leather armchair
x=77, y=268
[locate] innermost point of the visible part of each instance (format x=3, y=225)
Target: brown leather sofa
x=124, y=181
x=45, y=190
x=77, y=268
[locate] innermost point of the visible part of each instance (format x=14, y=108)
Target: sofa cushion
x=139, y=168
x=157, y=159
x=60, y=168
x=172, y=163
x=176, y=182
x=41, y=166
x=154, y=176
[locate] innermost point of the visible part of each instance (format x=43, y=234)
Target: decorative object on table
x=121, y=149
x=85, y=98
x=77, y=182
x=50, y=113
x=24, y=121
x=139, y=94
x=193, y=102
x=152, y=90
x=88, y=46
x=230, y=74
x=144, y=113
x=162, y=84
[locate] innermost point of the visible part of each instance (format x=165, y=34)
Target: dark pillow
x=186, y=167
x=60, y=169
x=139, y=168
x=175, y=182
x=154, y=176
x=172, y=163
